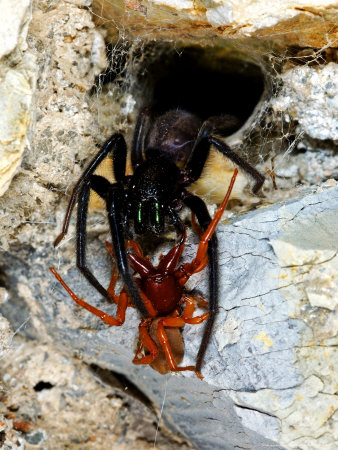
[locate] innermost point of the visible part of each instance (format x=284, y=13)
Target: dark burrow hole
x=207, y=81
x=41, y=385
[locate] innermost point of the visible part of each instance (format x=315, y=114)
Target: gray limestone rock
x=272, y=353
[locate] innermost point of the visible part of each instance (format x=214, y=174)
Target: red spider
x=161, y=289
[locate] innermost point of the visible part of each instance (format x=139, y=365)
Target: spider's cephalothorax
x=150, y=194
x=167, y=155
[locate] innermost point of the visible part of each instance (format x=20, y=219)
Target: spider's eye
x=139, y=213
x=157, y=213
x=156, y=216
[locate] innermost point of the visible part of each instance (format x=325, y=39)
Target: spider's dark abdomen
x=173, y=135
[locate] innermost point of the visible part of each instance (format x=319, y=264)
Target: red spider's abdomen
x=163, y=291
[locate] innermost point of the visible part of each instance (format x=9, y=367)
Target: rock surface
x=303, y=99
x=272, y=356
x=46, y=397
x=17, y=85
x=293, y=22
x=269, y=375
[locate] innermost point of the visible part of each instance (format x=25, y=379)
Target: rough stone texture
x=13, y=25
x=17, y=84
x=69, y=54
x=309, y=23
x=5, y=336
x=269, y=372
x=46, y=397
x=272, y=358
x=310, y=96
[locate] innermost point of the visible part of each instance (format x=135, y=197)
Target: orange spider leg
x=183, y=274
x=138, y=351
x=132, y=244
x=162, y=336
x=201, y=302
x=190, y=304
x=137, y=249
x=106, y=318
x=147, y=342
x=110, y=249
x=113, y=280
x=191, y=268
x=135, y=246
x=147, y=303
x=112, y=284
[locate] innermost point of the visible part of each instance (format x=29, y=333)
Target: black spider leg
x=102, y=187
x=81, y=235
x=226, y=150
x=177, y=222
x=199, y=208
x=115, y=200
x=117, y=140
x=140, y=133
x=200, y=152
x=114, y=196
x=116, y=221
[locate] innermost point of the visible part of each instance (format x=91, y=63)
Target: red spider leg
x=145, y=342
x=176, y=322
x=122, y=303
x=156, y=357
x=147, y=303
x=149, y=337
x=135, y=246
x=197, y=263
x=190, y=304
x=113, y=280
x=138, y=352
x=169, y=261
x=176, y=343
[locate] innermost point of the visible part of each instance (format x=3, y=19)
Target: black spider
x=155, y=191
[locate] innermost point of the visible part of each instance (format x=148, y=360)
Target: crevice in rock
x=254, y=410
x=119, y=381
